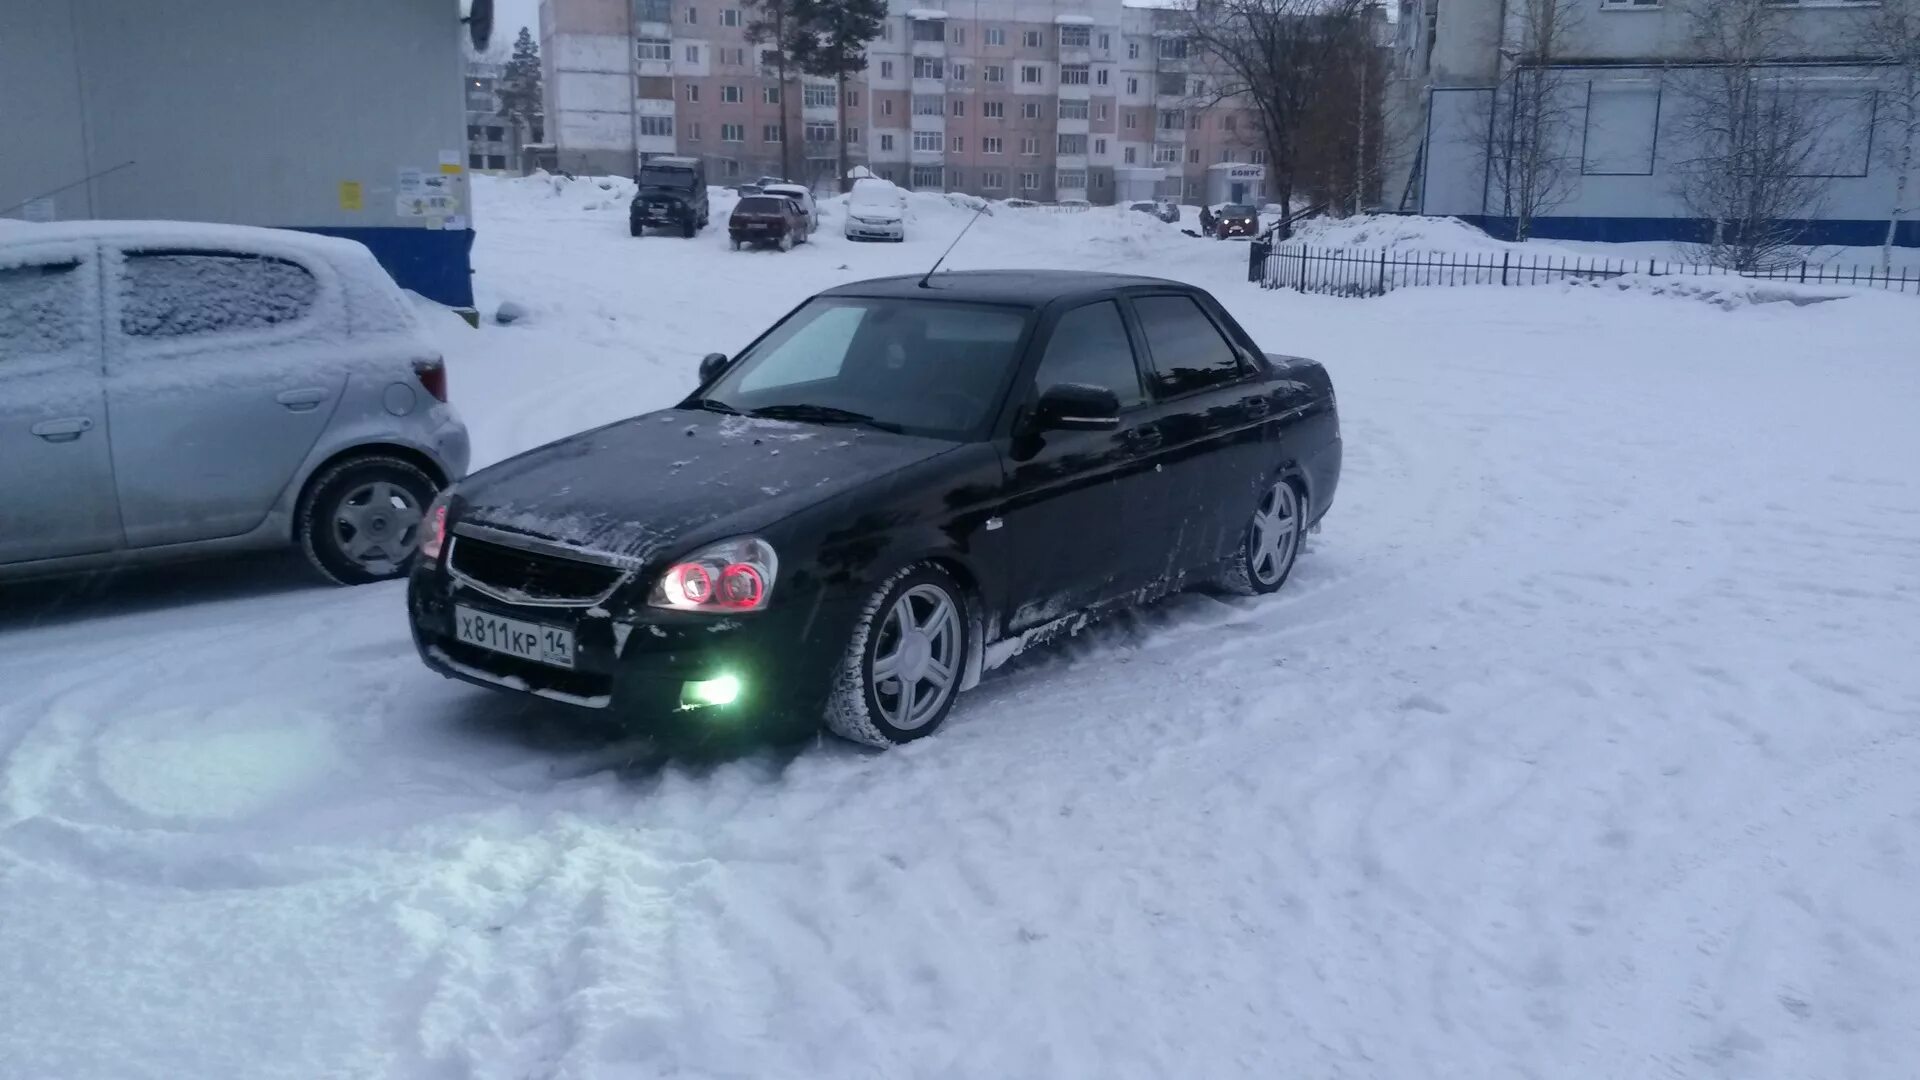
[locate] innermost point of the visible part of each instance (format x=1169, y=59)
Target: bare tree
x=1531, y=115
x=1282, y=57
x=1755, y=164
x=1890, y=35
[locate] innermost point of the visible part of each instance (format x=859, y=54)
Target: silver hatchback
x=173, y=390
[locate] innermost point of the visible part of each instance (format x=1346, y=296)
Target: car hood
x=874, y=211
x=648, y=486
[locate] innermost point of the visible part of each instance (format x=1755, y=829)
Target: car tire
x=868, y=706
x=1271, y=545
x=634, y=228
x=785, y=242
x=688, y=228
x=341, y=506
x=734, y=244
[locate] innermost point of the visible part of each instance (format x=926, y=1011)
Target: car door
x=1209, y=424
x=1081, y=512
x=223, y=369
x=56, y=472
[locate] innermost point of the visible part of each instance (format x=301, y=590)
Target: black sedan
x=898, y=485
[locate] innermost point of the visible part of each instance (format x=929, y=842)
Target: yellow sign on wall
x=350, y=195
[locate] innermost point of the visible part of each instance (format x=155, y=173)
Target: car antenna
x=956, y=242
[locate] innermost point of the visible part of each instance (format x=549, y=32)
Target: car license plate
x=529, y=641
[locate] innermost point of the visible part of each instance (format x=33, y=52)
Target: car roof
x=671, y=162
x=797, y=189
x=1026, y=288
x=192, y=234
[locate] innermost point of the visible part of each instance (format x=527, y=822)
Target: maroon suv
x=767, y=219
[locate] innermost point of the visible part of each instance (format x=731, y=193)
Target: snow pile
x=1397, y=232
x=1581, y=744
x=575, y=192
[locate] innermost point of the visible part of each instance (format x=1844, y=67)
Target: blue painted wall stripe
x=436, y=263
x=1621, y=230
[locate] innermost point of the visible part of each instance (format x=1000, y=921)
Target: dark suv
x=672, y=195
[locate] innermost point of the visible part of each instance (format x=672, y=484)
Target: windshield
x=928, y=367
x=1237, y=210
x=667, y=178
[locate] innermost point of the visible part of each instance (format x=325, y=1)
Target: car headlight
x=729, y=577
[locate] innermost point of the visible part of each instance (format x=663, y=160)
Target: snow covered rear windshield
x=927, y=367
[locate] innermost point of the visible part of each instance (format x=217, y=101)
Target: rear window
x=167, y=294
x=762, y=204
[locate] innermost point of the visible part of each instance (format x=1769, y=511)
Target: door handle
x=301, y=400
x=63, y=430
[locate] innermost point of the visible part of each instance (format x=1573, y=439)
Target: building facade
x=1623, y=128
x=1068, y=100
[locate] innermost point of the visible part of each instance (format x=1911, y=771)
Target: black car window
x=764, y=204
x=1187, y=350
x=167, y=294
x=1089, y=346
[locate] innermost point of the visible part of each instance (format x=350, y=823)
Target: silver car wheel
x=377, y=525
x=916, y=657
x=1276, y=532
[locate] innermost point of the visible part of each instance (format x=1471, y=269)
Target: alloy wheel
x=916, y=658
x=377, y=525
x=1275, y=535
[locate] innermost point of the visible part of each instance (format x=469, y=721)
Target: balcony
x=1072, y=126
x=928, y=122
x=1075, y=91
x=1075, y=54
x=917, y=156
x=927, y=48
x=920, y=86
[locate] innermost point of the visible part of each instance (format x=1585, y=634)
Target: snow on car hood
x=641, y=487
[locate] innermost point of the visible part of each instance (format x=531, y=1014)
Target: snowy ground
x=1582, y=744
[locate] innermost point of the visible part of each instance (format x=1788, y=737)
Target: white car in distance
x=876, y=210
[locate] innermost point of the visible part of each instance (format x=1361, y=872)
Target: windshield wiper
x=821, y=414
x=714, y=405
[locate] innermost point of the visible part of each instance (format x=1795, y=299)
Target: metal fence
x=1358, y=272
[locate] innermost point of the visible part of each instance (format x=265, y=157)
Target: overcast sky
x=509, y=16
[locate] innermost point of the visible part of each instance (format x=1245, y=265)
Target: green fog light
x=721, y=691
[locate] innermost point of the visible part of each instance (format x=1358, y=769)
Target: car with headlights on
x=1236, y=219
x=896, y=486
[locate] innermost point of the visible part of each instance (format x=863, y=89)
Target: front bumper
x=637, y=663
x=1238, y=229
x=875, y=230
x=672, y=214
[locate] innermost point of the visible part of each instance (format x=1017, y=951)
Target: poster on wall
x=421, y=193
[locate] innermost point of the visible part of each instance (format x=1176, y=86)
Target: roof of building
x=1027, y=288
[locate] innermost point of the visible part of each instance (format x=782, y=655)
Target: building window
x=1131, y=120
x=1258, y=157
x=1030, y=73
x=474, y=161
x=957, y=72
x=1073, y=144
x=1031, y=39
x=817, y=97
x=1100, y=76
x=993, y=110
x=957, y=35
x=693, y=53
x=886, y=69
x=656, y=125
x=1030, y=110
x=993, y=178
x=1133, y=50
x=1030, y=181
x=996, y=36
x=473, y=132
x=1072, y=110
x=730, y=16
x=1075, y=37
x=956, y=178
x=1030, y=146
x=1193, y=156
x=731, y=95
x=1070, y=178
x=693, y=91
x=886, y=34
x=1133, y=85
x=928, y=105
x=1226, y=155
x=736, y=57
x=770, y=95
x=1166, y=155
x=957, y=107
x=929, y=30
x=926, y=140
x=990, y=144
x=693, y=131
x=1099, y=146
x=886, y=142
x=993, y=73
x=1127, y=154
x=1073, y=75
x=1106, y=42
x=886, y=106
x=1198, y=88
x=1172, y=120
x=1173, y=48
x=693, y=15
x=957, y=145
x=1100, y=111
x=770, y=133
x=657, y=11
x=1170, y=84
x=887, y=175
x=853, y=135
x=730, y=168
x=496, y=161
x=733, y=133
x=927, y=176
x=1227, y=122
x=769, y=60
x=653, y=49
x=928, y=67
x=853, y=99
x=819, y=131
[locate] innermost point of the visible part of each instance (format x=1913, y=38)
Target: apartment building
x=1624, y=132
x=1068, y=100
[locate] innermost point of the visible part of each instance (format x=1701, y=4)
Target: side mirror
x=1077, y=407
x=711, y=365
